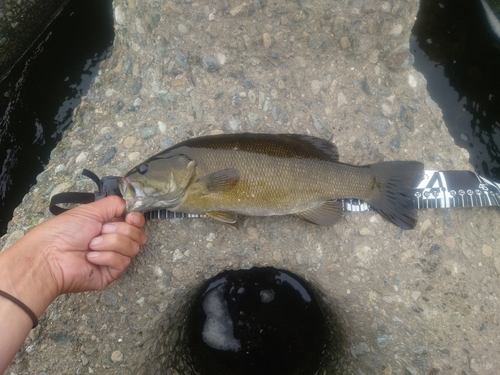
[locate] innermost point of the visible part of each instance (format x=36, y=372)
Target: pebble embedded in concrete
x=117, y=356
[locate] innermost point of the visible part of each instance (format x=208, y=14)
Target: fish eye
x=143, y=168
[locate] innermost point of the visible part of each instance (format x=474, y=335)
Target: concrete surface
x=423, y=301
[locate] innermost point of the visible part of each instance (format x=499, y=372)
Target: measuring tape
x=438, y=189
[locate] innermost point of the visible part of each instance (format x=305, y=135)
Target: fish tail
x=393, y=185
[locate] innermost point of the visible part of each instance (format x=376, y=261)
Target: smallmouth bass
x=265, y=175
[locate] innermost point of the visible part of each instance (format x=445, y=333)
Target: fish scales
x=266, y=174
x=273, y=185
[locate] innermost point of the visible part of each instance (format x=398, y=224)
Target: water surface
x=38, y=96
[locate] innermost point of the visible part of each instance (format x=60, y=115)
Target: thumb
x=105, y=209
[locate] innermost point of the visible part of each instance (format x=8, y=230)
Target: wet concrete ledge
x=412, y=302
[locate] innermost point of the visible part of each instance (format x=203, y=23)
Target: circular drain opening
x=258, y=321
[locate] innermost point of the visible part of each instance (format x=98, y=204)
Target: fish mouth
x=132, y=193
x=141, y=198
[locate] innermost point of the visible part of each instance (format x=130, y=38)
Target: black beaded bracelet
x=22, y=306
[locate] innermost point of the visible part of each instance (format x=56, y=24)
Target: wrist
x=25, y=274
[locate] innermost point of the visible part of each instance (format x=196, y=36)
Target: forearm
x=15, y=325
x=23, y=275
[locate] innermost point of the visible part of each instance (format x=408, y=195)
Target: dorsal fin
x=277, y=145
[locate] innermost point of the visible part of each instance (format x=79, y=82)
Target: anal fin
x=326, y=214
x=226, y=217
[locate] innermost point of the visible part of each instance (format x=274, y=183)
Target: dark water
x=37, y=98
x=459, y=54
x=259, y=321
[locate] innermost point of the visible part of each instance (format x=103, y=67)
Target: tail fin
x=392, y=191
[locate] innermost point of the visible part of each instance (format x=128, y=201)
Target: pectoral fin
x=219, y=181
x=225, y=217
x=326, y=214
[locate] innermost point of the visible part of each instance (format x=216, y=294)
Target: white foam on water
x=218, y=329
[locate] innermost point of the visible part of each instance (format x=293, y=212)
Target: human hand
x=85, y=248
x=91, y=246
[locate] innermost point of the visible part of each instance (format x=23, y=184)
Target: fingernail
x=108, y=228
x=93, y=255
x=135, y=219
x=95, y=241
